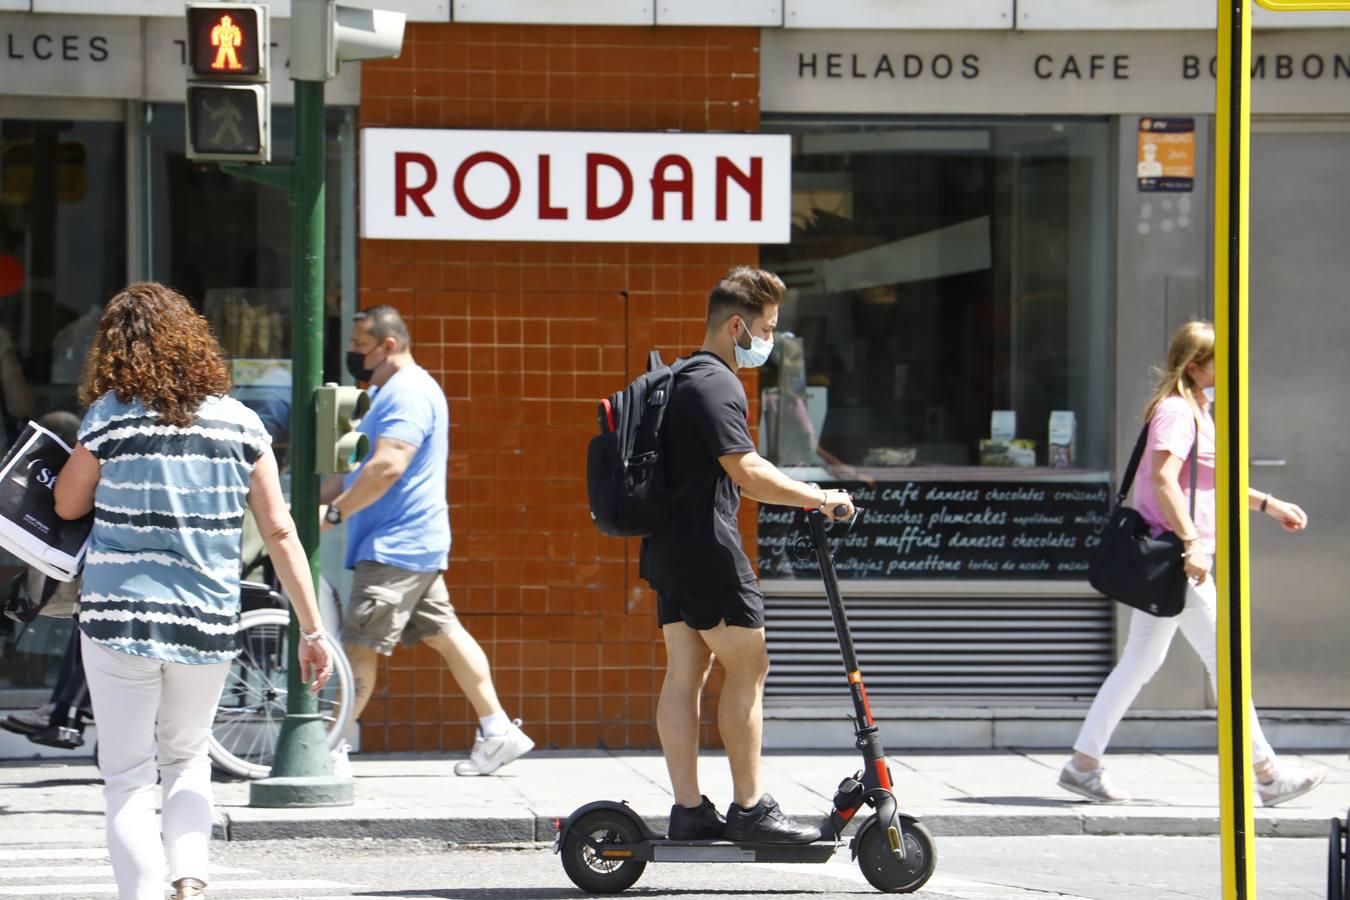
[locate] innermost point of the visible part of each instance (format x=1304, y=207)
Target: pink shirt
x=1173, y=431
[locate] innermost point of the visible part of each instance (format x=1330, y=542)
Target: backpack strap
x=654, y=361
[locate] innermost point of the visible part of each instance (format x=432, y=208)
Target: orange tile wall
x=526, y=338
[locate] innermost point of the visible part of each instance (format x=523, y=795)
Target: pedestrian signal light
x=227, y=40
x=228, y=98
x=338, y=446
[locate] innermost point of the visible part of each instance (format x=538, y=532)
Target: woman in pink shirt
x=1179, y=417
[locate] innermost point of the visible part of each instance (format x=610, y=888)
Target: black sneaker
x=61, y=736
x=764, y=823
x=702, y=823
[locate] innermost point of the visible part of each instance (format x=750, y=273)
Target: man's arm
x=385, y=466
x=761, y=480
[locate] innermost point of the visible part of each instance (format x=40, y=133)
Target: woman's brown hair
x=154, y=347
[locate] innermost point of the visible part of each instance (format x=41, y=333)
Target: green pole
x=302, y=768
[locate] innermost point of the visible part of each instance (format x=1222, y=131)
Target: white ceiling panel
x=416, y=10
x=898, y=14
x=760, y=13
x=556, y=12
x=1156, y=15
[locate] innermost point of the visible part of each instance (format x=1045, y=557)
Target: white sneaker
x=1094, y=785
x=1290, y=782
x=491, y=753
x=342, y=766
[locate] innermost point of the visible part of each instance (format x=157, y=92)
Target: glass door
x=63, y=251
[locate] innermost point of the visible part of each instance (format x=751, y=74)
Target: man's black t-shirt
x=708, y=417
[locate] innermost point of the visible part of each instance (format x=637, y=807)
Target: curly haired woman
x=167, y=462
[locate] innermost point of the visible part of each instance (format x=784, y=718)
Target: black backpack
x=626, y=481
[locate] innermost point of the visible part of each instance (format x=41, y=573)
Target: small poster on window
x=1166, y=160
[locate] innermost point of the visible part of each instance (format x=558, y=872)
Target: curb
x=526, y=827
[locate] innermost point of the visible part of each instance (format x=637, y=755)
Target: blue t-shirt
x=161, y=577
x=408, y=527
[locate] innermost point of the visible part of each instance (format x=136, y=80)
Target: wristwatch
x=333, y=516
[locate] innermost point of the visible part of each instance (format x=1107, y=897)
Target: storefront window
x=62, y=251
x=944, y=351
x=225, y=243
x=938, y=274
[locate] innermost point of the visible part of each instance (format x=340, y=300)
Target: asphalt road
x=1063, y=868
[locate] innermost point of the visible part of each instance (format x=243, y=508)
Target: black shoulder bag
x=1130, y=565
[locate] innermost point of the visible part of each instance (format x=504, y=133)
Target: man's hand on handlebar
x=838, y=506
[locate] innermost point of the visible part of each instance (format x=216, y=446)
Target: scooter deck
x=724, y=851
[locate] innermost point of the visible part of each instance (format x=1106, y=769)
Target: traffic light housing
x=229, y=107
x=338, y=446
x=324, y=34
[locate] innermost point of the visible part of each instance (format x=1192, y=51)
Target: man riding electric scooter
x=709, y=601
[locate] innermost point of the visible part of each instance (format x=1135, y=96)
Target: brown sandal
x=189, y=889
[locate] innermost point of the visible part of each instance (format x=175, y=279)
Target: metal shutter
x=1000, y=647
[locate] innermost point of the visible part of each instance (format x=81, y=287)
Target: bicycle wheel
x=253, y=703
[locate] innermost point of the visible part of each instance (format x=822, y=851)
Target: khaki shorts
x=390, y=604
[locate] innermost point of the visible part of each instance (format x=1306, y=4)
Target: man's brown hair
x=744, y=291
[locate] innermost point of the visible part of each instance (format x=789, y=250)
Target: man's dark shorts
x=704, y=608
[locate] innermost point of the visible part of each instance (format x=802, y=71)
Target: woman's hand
x=1197, y=564
x=1290, y=515
x=316, y=663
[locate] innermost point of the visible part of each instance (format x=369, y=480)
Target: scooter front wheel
x=592, y=871
x=885, y=872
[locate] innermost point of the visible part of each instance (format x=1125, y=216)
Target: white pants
x=148, y=709
x=1145, y=649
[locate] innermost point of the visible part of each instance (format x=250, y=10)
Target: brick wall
x=526, y=338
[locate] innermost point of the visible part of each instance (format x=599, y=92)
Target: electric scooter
x=605, y=846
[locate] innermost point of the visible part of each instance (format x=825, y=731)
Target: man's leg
x=434, y=623
x=740, y=713
x=365, y=667
x=375, y=618
x=467, y=662
x=688, y=661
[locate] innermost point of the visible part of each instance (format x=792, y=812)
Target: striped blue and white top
x=161, y=577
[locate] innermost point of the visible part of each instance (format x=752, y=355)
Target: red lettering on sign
x=512, y=192
x=546, y=209
x=753, y=184
x=403, y=193
x=593, y=208
x=684, y=186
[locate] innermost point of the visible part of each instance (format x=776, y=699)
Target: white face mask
x=1209, y=393
x=756, y=354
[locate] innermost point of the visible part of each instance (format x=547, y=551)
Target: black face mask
x=356, y=365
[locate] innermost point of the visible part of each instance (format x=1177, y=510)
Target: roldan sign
x=575, y=186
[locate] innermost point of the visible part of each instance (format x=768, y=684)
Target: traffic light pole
x=302, y=771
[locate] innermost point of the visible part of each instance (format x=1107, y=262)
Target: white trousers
x=149, y=711
x=1145, y=649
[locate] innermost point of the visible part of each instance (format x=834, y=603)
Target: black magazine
x=29, y=525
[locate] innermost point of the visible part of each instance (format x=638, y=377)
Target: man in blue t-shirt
x=398, y=534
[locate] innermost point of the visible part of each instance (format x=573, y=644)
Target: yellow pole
x=1232, y=127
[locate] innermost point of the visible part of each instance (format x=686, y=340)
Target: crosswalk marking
x=56, y=853
x=16, y=872
x=100, y=888
x=85, y=872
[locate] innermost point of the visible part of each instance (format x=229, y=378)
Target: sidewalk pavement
x=999, y=792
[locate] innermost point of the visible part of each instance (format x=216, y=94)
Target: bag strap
x=1127, y=479
x=654, y=360
x=1195, y=465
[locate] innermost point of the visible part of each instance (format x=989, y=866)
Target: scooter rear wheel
x=885, y=872
x=589, y=870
